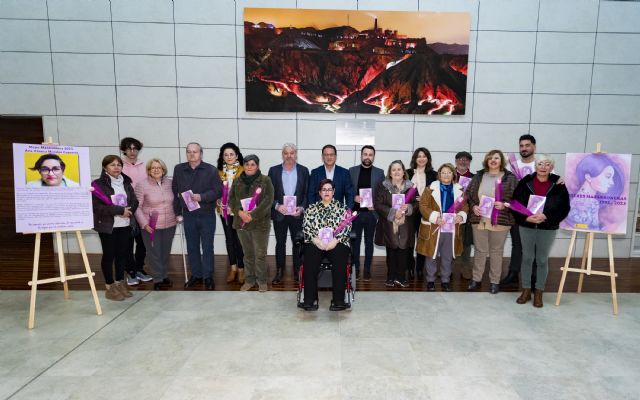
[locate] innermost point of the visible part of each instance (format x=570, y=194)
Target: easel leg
x=587, y=254
x=90, y=274
x=572, y=243
x=612, y=271
x=34, y=282
x=63, y=267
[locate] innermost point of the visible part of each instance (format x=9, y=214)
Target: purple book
x=119, y=199
x=189, y=201
x=290, y=204
x=536, y=203
x=486, y=206
x=325, y=235
x=449, y=225
x=244, y=203
x=366, y=198
x=397, y=200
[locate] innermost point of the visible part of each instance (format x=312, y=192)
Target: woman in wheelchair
x=320, y=221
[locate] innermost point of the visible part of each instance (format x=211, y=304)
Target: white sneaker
x=142, y=276
x=132, y=280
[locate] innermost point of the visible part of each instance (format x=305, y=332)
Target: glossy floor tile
x=232, y=345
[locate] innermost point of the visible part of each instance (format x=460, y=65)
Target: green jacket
x=262, y=213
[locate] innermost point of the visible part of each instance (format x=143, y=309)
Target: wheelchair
x=325, y=274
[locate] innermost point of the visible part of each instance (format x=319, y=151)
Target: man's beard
x=366, y=162
x=525, y=153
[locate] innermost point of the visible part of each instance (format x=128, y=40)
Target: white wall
x=170, y=72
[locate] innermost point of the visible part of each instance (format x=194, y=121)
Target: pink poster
x=397, y=200
x=536, y=203
x=449, y=223
x=598, y=185
x=325, y=235
x=290, y=204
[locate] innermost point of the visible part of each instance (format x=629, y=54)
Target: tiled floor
x=232, y=345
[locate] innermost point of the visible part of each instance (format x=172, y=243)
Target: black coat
x=103, y=214
x=556, y=208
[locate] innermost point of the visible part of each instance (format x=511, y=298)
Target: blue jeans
x=366, y=222
x=199, y=230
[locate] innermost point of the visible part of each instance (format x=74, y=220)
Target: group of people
x=437, y=213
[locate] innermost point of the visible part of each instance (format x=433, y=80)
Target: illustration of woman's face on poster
x=603, y=182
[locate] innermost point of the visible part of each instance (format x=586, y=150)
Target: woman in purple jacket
x=156, y=219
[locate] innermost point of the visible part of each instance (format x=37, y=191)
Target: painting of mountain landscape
x=346, y=61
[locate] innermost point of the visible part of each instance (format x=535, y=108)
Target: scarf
x=248, y=180
x=446, y=196
x=229, y=171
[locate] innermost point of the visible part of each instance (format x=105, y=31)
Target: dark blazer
x=556, y=208
x=377, y=176
x=344, y=189
x=275, y=173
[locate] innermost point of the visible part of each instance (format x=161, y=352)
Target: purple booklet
x=366, y=198
x=397, y=200
x=244, y=203
x=536, y=203
x=449, y=223
x=290, y=204
x=464, y=182
x=486, y=206
x=325, y=235
x=189, y=201
x=119, y=199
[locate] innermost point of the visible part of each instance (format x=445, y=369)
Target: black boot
x=510, y=281
x=410, y=274
x=278, y=278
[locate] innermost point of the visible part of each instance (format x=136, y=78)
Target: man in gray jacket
x=365, y=179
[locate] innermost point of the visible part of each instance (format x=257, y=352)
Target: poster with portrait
x=52, y=188
x=598, y=185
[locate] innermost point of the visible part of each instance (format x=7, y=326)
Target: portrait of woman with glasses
x=51, y=169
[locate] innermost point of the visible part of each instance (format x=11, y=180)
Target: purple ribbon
x=254, y=201
x=153, y=222
x=410, y=195
x=516, y=206
x=225, y=200
x=348, y=218
x=100, y=194
x=514, y=166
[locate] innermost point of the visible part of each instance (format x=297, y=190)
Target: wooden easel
x=63, y=273
x=63, y=269
x=585, y=266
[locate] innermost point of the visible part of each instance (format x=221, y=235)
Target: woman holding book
x=250, y=200
x=443, y=208
x=490, y=220
x=397, y=207
x=321, y=238
x=538, y=230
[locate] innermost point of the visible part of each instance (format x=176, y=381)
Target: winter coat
x=103, y=214
x=509, y=183
x=556, y=207
x=154, y=196
x=386, y=235
x=431, y=209
x=262, y=213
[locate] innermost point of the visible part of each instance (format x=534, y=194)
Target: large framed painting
x=347, y=61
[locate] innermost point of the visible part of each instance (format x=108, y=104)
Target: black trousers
x=366, y=222
x=397, y=263
x=339, y=257
x=292, y=225
x=135, y=259
x=114, y=250
x=418, y=261
x=234, y=248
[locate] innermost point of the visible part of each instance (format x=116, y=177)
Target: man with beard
x=526, y=165
x=365, y=176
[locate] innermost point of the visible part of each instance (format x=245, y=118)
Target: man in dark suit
x=289, y=179
x=364, y=176
x=329, y=170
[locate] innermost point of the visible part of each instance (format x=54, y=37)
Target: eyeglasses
x=133, y=149
x=45, y=170
x=155, y=168
x=326, y=190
